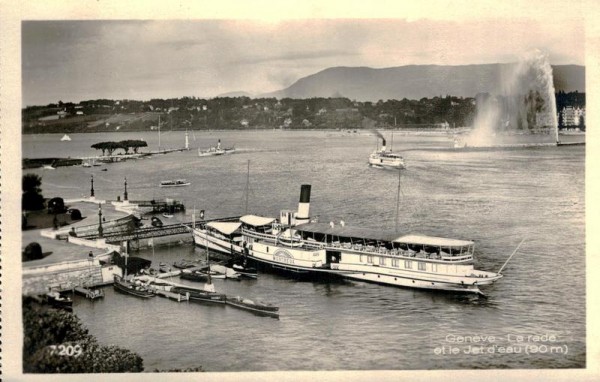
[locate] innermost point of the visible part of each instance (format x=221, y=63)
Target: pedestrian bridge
x=150, y=232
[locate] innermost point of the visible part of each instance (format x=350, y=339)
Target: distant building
x=79, y=112
x=571, y=116
x=244, y=122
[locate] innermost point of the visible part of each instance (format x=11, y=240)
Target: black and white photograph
x=279, y=188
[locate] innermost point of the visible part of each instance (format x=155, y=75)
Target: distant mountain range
x=236, y=94
x=417, y=81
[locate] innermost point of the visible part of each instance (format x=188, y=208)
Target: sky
x=90, y=59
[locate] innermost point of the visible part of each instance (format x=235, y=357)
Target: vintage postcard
x=285, y=190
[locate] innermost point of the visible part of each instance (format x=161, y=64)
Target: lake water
x=496, y=198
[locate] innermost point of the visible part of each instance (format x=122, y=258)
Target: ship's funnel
x=302, y=216
x=383, y=144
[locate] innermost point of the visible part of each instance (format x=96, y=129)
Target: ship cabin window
x=422, y=266
x=267, y=249
x=407, y=264
x=370, y=259
x=395, y=263
x=381, y=260
x=434, y=267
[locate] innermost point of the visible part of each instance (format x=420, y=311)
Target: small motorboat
x=196, y=294
x=255, y=306
x=196, y=275
x=216, y=150
x=164, y=268
x=59, y=301
x=174, y=183
x=168, y=216
x=137, y=288
x=242, y=268
x=227, y=272
x=185, y=264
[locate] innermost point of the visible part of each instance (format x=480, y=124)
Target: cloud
x=68, y=59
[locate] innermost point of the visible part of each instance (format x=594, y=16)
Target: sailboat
x=65, y=138
x=135, y=288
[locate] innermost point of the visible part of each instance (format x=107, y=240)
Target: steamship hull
x=294, y=245
x=384, y=160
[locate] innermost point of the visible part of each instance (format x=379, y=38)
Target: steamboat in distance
x=383, y=158
x=293, y=243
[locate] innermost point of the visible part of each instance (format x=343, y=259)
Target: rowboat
x=255, y=306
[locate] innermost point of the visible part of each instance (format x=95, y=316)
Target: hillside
x=417, y=81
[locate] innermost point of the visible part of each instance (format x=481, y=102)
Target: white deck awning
x=226, y=228
x=256, y=221
x=433, y=241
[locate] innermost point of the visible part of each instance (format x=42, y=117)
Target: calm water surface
x=496, y=198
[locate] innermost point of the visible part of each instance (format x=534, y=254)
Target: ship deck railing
x=396, y=252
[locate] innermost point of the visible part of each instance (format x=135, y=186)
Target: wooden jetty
x=91, y=294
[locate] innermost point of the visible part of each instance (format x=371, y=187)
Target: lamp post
x=125, y=193
x=92, y=189
x=100, y=230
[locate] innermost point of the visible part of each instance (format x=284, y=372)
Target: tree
x=100, y=146
x=32, y=193
x=112, y=146
x=136, y=144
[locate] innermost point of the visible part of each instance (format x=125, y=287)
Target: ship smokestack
x=302, y=216
x=383, y=144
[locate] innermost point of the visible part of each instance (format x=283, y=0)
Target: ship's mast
x=159, y=133
x=247, y=187
x=398, y=201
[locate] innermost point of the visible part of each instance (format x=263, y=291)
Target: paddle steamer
x=295, y=244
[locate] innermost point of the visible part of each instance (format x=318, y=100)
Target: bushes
x=75, y=214
x=56, y=206
x=46, y=327
x=33, y=251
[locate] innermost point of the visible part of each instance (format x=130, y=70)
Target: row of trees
x=245, y=112
x=126, y=145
